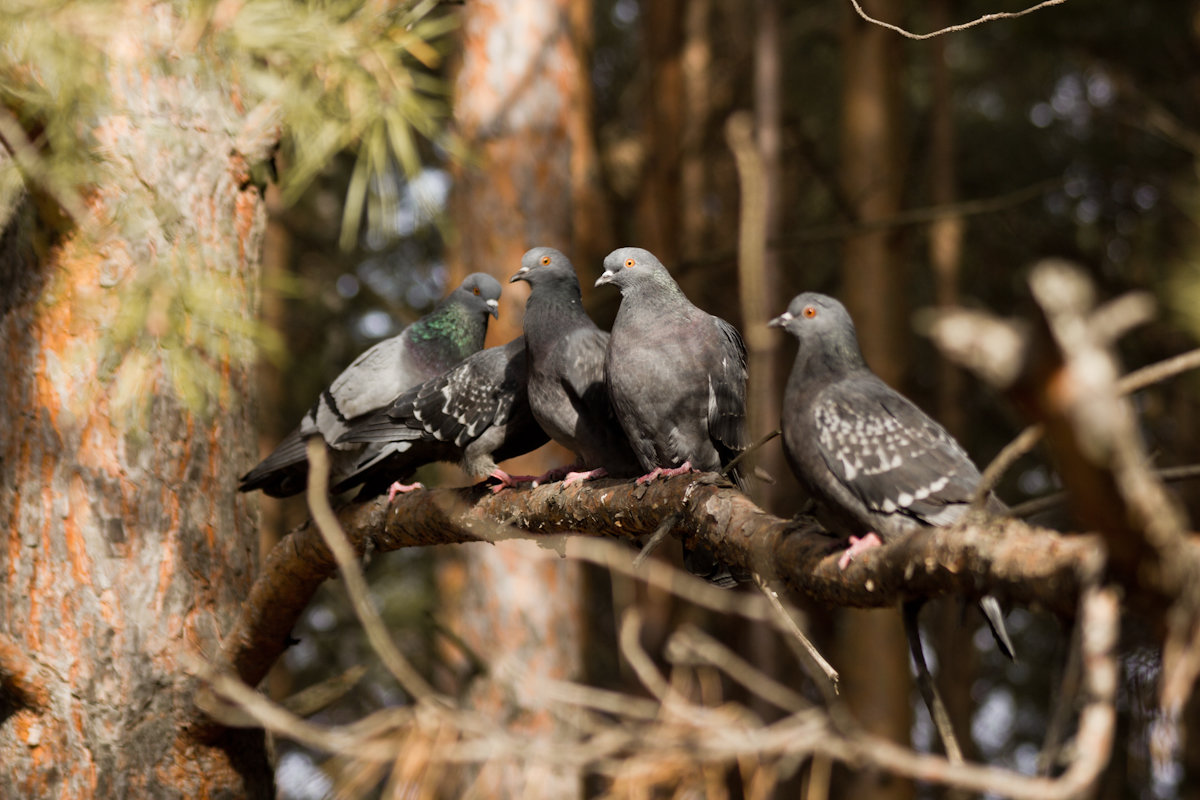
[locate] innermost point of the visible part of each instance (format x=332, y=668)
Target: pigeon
x=677, y=379
x=877, y=465
x=565, y=351
x=437, y=341
x=476, y=413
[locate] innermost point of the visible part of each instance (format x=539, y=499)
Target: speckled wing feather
x=890, y=455
x=474, y=412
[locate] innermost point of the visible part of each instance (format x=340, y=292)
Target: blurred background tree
x=426, y=140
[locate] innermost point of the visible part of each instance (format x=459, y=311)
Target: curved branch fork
x=1006, y=558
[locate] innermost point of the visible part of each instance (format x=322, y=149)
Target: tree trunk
x=945, y=620
x=523, y=105
x=872, y=649
x=657, y=219
x=123, y=421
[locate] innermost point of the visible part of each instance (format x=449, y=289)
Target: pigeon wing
x=727, y=394
x=890, y=455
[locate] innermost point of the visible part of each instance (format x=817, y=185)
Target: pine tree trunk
x=129, y=550
x=522, y=102
x=873, y=655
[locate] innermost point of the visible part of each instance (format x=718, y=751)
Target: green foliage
x=347, y=73
x=357, y=75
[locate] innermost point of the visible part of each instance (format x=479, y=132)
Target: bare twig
x=749, y=451
x=356, y=585
x=1037, y=505
x=1133, y=382
x=929, y=692
x=921, y=216
x=698, y=644
x=807, y=652
x=954, y=28
x=1064, y=704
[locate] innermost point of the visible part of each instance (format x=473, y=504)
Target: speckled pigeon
x=677, y=378
x=566, y=351
x=476, y=413
x=878, y=465
x=437, y=341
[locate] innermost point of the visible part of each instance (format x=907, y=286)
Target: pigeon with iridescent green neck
x=437, y=341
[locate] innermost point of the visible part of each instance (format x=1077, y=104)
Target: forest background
x=210, y=208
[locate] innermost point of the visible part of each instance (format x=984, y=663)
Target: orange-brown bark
x=128, y=548
x=523, y=106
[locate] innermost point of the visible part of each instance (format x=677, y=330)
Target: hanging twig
x=955, y=28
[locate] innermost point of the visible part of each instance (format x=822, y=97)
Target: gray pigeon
x=677, y=379
x=437, y=341
x=476, y=413
x=566, y=351
x=878, y=465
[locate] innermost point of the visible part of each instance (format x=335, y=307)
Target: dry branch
x=1006, y=558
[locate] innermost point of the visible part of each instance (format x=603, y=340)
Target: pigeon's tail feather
x=995, y=620
x=379, y=428
x=701, y=562
x=282, y=473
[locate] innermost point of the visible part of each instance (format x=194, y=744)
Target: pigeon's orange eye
x=809, y=311
x=545, y=261
x=476, y=290
x=629, y=262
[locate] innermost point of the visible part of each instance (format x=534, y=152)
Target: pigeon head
x=632, y=267
x=544, y=265
x=481, y=292
x=823, y=327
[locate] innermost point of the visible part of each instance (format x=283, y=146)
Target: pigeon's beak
x=780, y=321
x=494, y=308
x=519, y=275
x=607, y=277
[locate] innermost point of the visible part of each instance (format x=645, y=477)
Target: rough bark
x=523, y=106
x=1014, y=561
x=128, y=548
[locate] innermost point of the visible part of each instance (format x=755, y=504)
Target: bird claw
x=551, y=475
x=403, y=488
x=579, y=477
x=857, y=546
x=507, y=480
x=667, y=472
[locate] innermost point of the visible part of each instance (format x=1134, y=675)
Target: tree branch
x=1007, y=558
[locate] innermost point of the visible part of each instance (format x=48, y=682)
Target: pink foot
x=580, y=477
x=669, y=472
x=556, y=474
x=856, y=547
x=506, y=480
x=403, y=488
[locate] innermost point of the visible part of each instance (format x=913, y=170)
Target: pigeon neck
x=658, y=296
x=448, y=334
x=833, y=358
x=552, y=311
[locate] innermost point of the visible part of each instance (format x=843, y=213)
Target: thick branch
x=1006, y=558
